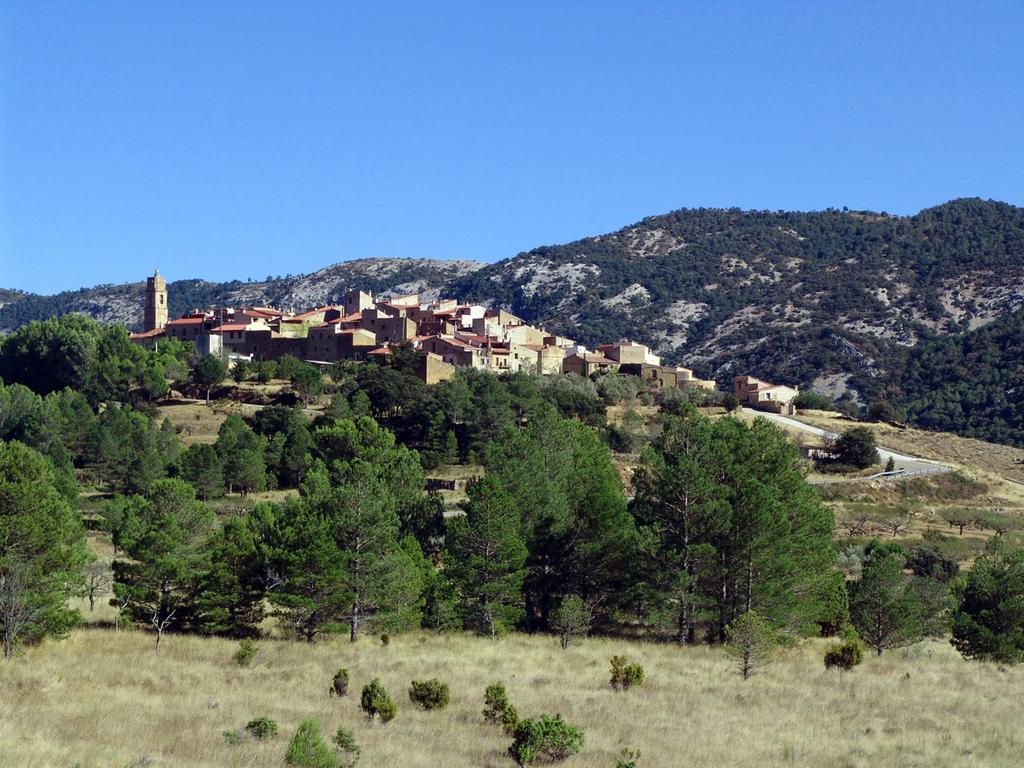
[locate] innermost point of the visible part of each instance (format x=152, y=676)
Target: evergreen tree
x=884, y=608
x=730, y=525
x=201, y=466
x=165, y=534
x=485, y=558
x=243, y=454
x=339, y=552
x=42, y=550
x=988, y=622
x=208, y=372
x=230, y=592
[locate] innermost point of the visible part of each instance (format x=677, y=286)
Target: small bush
x=385, y=640
x=571, y=619
x=497, y=708
x=627, y=758
x=548, y=738
x=429, y=694
x=346, y=744
x=339, y=685
x=246, y=652
x=375, y=702
x=625, y=676
x=308, y=749
x=845, y=656
x=233, y=738
x=261, y=728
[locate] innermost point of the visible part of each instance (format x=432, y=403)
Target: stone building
x=156, y=302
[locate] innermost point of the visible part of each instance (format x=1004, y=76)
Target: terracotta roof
x=151, y=334
x=380, y=351
x=230, y=327
x=355, y=317
x=187, y=321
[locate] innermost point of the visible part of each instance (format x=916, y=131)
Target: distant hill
x=123, y=303
x=834, y=300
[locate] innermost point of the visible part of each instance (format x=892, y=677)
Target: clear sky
x=239, y=139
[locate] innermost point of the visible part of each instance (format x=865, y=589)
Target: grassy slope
x=104, y=699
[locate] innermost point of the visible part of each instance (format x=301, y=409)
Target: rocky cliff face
x=832, y=299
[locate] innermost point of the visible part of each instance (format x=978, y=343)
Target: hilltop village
x=447, y=334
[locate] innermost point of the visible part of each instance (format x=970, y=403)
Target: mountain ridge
x=831, y=299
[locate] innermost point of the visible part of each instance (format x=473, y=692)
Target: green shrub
x=339, y=685
x=246, y=652
x=497, y=708
x=376, y=702
x=625, y=676
x=233, y=738
x=509, y=719
x=385, y=640
x=261, y=728
x=548, y=738
x=845, y=656
x=346, y=744
x=308, y=748
x=429, y=694
x=627, y=758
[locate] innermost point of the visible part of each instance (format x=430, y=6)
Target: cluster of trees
x=722, y=524
x=101, y=362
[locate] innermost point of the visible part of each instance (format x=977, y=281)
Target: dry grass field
x=103, y=700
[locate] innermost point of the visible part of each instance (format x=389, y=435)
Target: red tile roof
x=151, y=334
x=188, y=321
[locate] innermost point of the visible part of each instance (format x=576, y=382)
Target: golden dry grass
x=104, y=699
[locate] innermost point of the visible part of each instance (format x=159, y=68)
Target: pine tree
x=42, y=550
x=201, y=466
x=883, y=605
x=230, y=592
x=165, y=534
x=339, y=551
x=988, y=622
x=486, y=556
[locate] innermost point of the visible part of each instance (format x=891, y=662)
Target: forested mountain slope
x=971, y=384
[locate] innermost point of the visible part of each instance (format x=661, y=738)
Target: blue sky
x=239, y=139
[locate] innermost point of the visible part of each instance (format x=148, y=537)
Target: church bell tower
x=156, y=302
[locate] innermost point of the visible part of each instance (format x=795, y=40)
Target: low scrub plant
x=497, y=708
x=246, y=653
x=546, y=738
x=308, y=749
x=345, y=743
x=845, y=656
x=624, y=674
x=261, y=728
x=375, y=702
x=429, y=694
x=628, y=758
x=233, y=738
x=339, y=685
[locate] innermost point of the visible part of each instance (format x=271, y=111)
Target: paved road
x=907, y=465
